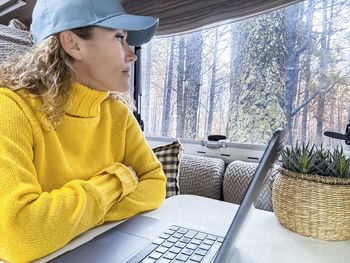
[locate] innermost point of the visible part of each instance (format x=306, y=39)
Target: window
x=6, y=3
x=287, y=68
x=8, y=6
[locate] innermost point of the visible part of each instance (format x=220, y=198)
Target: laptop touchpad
x=112, y=246
x=117, y=243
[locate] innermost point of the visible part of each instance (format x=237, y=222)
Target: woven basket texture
x=312, y=205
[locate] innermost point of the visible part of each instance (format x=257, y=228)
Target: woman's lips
x=127, y=71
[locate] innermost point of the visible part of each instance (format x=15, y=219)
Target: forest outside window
x=286, y=68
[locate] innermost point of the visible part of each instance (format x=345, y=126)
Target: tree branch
x=297, y=109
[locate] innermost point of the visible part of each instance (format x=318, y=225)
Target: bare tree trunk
x=167, y=92
x=296, y=117
x=192, y=83
x=325, y=42
x=154, y=127
x=291, y=66
x=332, y=119
x=164, y=93
x=307, y=71
x=306, y=95
x=235, y=71
x=340, y=128
x=294, y=51
x=212, y=85
x=205, y=106
x=180, y=90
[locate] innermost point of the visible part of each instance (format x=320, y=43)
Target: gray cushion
x=237, y=177
x=202, y=176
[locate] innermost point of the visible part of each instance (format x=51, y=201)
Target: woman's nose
x=130, y=55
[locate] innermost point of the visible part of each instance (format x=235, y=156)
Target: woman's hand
x=134, y=173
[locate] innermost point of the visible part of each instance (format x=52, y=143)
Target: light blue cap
x=54, y=16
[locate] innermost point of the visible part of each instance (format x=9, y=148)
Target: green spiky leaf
x=311, y=159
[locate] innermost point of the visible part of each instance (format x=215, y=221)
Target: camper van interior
x=210, y=90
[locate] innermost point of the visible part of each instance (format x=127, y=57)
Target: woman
x=72, y=155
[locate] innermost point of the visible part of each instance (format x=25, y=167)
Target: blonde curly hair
x=46, y=71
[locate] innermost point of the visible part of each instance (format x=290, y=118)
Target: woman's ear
x=71, y=43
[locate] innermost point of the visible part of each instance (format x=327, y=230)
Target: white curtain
x=178, y=16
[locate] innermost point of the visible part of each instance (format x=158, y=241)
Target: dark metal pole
x=137, y=87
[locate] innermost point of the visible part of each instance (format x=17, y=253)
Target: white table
x=263, y=240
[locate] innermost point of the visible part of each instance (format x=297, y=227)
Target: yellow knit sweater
x=56, y=184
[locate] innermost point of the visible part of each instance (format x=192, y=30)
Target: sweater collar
x=85, y=102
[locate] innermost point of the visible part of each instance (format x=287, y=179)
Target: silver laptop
x=148, y=240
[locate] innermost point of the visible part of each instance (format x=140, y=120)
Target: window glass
x=287, y=68
x=4, y=3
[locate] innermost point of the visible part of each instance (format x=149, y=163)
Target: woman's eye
x=120, y=37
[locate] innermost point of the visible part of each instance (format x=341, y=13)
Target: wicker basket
x=312, y=205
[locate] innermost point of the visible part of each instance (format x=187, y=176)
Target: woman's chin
x=120, y=88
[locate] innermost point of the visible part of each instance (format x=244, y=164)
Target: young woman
x=72, y=155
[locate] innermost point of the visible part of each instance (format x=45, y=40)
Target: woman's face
x=105, y=60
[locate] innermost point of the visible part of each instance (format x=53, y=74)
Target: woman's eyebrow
x=121, y=30
x=117, y=30
x=124, y=32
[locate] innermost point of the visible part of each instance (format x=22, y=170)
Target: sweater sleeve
x=35, y=223
x=150, y=191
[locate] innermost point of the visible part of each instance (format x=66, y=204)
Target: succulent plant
x=310, y=159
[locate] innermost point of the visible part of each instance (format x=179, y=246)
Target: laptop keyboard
x=178, y=244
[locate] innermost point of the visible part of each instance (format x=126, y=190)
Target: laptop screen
x=269, y=157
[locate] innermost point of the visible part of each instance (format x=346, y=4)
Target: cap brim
x=140, y=28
